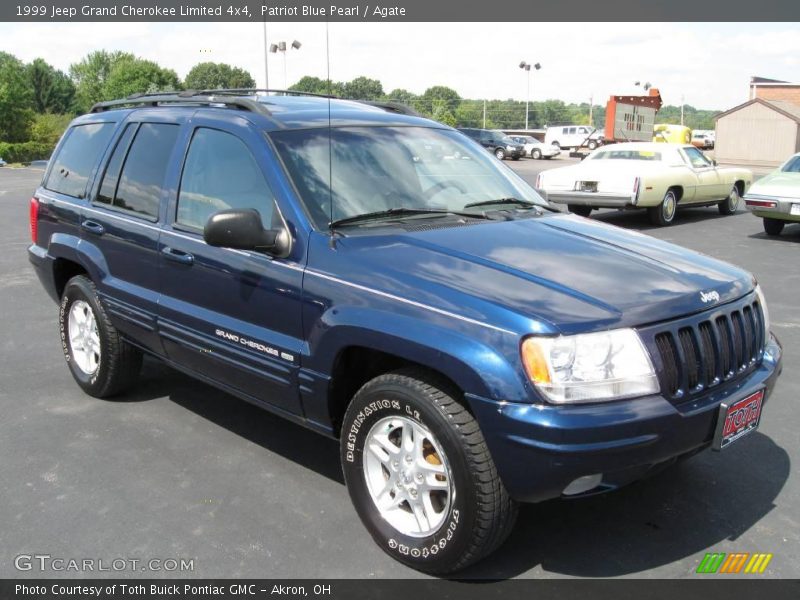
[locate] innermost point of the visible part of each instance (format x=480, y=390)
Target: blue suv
x=383, y=280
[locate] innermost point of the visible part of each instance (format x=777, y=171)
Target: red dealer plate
x=737, y=420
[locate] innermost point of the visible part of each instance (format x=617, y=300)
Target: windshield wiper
x=400, y=211
x=515, y=201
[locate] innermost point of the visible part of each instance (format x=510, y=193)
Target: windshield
x=375, y=169
x=792, y=165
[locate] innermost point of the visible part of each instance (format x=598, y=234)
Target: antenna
x=331, y=232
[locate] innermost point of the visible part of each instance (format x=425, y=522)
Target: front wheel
x=731, y=203
x=420, y=475
x=592, y=145
x=101, y=362
x=773, y=226
x=664, y=214
x=580, y=209
x=499, y=153
x=537, y=154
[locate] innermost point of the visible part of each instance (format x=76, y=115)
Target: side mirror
x=242, y=229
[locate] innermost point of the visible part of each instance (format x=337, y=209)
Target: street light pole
x=527, y=67
x=266, y=58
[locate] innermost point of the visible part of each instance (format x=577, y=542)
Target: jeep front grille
x=712, y=349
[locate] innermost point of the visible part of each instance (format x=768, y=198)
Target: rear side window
x=220, y=173
x=137, y=187
x=78, y=155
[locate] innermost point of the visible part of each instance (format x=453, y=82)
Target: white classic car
x=776, y=197
x=534, y=148
x=656, y=176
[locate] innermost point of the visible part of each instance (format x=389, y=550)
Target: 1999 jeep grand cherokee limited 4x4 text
x=381, y=279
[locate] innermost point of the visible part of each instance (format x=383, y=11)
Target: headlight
x=590, y=367
x=763, y=302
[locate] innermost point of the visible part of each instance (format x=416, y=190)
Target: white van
x=572, y=136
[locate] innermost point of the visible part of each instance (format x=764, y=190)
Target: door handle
x=177, y=256
x=93, y=227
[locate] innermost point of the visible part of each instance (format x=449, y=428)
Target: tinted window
x=139, y=188
x=221, y=173
x=77, y=157
x=109, y=186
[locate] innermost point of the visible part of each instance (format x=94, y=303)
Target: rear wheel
x=101, y=362
x=731, y=203
x=773, y=226
x=580, y=209
x=420, y=475
x=536, y=153
x=499, y=153
x=664, y=213
x=592, y=144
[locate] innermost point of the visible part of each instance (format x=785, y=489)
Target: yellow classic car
x=660, y=177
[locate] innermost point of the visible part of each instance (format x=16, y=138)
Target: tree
x=363, y=88
x=137, y=76
x=16, y=100
x=91, y=74
x=211, y=76
x=53, y=92
x=315, y=85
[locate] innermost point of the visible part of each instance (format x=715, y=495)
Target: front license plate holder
x=737, y=419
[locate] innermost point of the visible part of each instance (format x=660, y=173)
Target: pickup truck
x=383, y=280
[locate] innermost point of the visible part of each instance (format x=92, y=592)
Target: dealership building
x=765, y=130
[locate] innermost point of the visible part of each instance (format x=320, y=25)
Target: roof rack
x=186, y=97
x=240, y=91
x=391, y=106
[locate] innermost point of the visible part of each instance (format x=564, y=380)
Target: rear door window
x=137, y=187
x=221, y=173
x=77, y=157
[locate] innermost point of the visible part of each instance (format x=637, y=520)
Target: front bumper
x=594, y=199
x=540, y=449
x=782, y=209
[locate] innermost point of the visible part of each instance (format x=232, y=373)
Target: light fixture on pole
x=646, y=85
x=527, y=67
x=282, y=48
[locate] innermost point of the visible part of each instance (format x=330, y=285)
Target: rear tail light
x=538, y=184
x=764, y=203
x=637, y=182
x=34, y=218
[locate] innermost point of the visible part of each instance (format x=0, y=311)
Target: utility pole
x=266, y=55
x=484, y=113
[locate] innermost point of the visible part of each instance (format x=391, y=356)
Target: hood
x=565, y=272
x=779, y=184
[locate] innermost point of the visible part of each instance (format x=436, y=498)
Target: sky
x=708, y=64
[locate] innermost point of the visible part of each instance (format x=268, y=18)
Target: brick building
x=774, y=89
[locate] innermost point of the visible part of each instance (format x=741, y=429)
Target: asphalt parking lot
x=179, y=470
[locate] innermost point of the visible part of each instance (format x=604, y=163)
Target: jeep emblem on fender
x=709, y=297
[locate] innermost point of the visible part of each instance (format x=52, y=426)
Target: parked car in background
x=674, y=134
x=496, y=142
x=702, y=140
x=573, y=136
x=657, y=176
x=776, y=197
x=2, y=162
x=534, y=148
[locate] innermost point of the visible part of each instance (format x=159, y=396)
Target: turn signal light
x=763, y=203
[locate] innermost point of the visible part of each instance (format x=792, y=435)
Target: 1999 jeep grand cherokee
x=379, y=278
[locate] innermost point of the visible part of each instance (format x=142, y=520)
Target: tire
x=500, y=153
x=664, y=214
x=730, y=205
x=773, y=226
x=101, y=362
x=592, y=145
x=467, y=521
x=536, y=153
x=580, y=209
